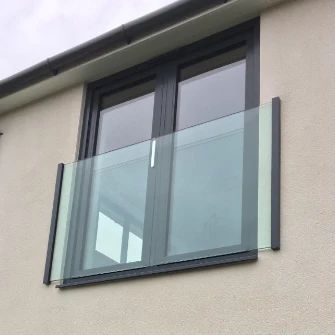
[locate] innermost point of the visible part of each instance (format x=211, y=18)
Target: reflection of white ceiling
x=134, y=253
x=208, y=23
x=109, y=238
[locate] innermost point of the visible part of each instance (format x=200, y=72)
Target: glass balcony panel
x=264, y=176
x=101, y=214
x=110, y=216
x=206, y=192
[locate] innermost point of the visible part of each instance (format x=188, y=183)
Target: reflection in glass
x=119, y=124
x=116, y=210
x=111, y=241
x=206, y=96
x=109, y=238
x=134, y=248
x=206, y=190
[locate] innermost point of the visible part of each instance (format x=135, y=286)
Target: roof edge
x=112, y=40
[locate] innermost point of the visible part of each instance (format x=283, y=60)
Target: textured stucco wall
x=298, y=64
x=36, y=138
x=288, y=292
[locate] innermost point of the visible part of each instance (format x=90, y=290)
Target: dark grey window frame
x=165, y=71
x=244, y=34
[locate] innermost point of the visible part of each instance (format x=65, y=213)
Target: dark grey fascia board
x=122, y=36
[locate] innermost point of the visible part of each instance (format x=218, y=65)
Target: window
x=119, y=124
x=168, y=176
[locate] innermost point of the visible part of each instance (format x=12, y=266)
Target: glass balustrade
x=201, y=192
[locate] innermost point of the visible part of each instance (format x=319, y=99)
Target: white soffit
x=186, y=32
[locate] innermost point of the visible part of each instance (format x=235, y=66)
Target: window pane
x=206, y=189
x=207, y=172
x=115, y=225
x=211, y=89
x=119, y=124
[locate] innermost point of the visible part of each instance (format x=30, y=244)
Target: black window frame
x=165, y=71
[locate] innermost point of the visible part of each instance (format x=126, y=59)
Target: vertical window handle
x=153, y=153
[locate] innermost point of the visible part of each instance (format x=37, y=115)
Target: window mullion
x=164, y=156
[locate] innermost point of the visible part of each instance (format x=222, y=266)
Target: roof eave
x=126, y=46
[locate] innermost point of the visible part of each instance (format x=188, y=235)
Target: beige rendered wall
x=288, y=292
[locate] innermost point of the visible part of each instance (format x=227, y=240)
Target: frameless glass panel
x=102, y=224
x=118, y=190
x=212, y=88
x=206, y=192
x=119, y=124
x=264, y=176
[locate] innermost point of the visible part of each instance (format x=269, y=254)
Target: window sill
x=160, y=269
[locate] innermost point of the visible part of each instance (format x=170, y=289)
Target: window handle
x=153, y=153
